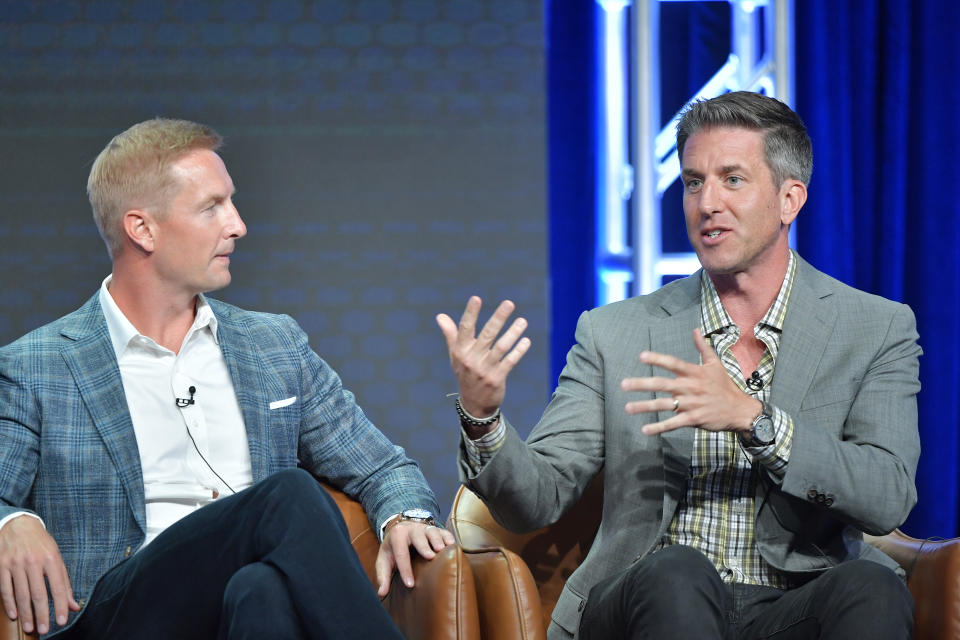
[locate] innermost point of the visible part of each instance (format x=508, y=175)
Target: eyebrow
x=222, y=195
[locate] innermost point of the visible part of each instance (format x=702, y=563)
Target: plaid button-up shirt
x=716, y=513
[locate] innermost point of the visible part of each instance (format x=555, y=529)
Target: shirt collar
x=715, y=318
x=122, y=330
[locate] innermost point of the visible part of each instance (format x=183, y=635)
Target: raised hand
x=482, y=362
x=702, y=395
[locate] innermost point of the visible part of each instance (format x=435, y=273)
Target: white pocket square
x=280, y=404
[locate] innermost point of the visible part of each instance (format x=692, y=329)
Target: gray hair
x=787, y=147
x=133, y=171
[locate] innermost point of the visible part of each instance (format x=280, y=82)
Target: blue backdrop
x=877, y=87
x=876, y=84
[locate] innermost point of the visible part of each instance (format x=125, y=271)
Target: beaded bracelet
x=468, y=420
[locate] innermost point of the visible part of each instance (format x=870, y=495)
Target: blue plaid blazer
x=69, y=454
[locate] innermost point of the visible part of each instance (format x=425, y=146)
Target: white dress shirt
x=178, y=476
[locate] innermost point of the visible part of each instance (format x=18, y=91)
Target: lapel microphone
x=755, y=382
x=186, y=402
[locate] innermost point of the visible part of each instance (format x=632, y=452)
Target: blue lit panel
x=614, y=264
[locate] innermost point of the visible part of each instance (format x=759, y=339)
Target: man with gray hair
x=750, y=421
x=158, y=447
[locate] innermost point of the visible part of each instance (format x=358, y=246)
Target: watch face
x=418, y=514
x=763, y=430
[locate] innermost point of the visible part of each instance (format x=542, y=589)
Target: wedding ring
x=676, y=405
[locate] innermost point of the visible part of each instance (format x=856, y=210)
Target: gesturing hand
x=28, y=554
x=703, y=395
x=482, y=363
x=395, y=551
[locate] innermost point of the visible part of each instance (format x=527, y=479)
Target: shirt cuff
x=383, y=525
x=18, y=514
x=480, y=451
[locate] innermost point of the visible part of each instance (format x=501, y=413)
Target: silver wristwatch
x=762, y=432
x=418, y=515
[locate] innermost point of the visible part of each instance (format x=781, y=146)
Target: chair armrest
x=362, y=537
x=935, y=585
x=443, y=602
x=10, y=630
x=933, y=577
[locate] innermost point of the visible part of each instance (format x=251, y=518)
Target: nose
x=709, y=201
x=235, y=227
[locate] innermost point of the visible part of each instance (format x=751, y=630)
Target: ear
x=793, y=195
x=138, y=227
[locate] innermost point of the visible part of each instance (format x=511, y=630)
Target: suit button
x=812, y=494
x=126, y=552
x=828, y=502
x=821, y=498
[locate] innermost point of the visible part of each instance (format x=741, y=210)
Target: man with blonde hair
x=157, y=446
x=134, y=167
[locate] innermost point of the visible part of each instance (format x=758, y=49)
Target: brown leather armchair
x=520, y=576
x=442, y=605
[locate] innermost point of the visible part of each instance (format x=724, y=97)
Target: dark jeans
x=677, y=593
x=273, y=561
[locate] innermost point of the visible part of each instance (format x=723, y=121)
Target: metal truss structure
x=637, y=158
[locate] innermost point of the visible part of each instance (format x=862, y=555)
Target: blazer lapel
x=673, y=335
x=807, y=328
x=246, y=373
x=92, y=362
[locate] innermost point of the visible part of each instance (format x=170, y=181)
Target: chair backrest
x=551, y=553
x=443, y=605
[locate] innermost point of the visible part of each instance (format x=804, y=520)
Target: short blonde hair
x=133, y=170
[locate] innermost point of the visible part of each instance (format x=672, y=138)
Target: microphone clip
x=186, y=402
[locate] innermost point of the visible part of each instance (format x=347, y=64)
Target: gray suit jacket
x=847, y=372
